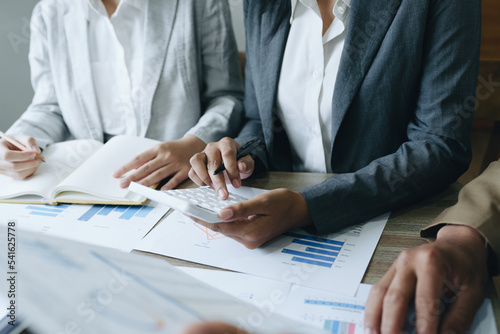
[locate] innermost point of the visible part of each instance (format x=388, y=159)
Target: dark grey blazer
x=402, y=106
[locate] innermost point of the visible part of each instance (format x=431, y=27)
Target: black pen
x=243, y=151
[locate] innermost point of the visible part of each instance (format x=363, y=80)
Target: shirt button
x=316, y=74
x=340, y=10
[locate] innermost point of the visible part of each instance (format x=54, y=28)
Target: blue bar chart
x=123, y=212
x=313, y=250
x=339, y=327
x=335, y=304
x=52, y=211
x=335, y=313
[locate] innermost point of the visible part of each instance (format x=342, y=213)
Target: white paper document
x=71, y=287
x=335, y=263
x=118, y=227
x=264, y=293
x=325, y=310
x=343, y=315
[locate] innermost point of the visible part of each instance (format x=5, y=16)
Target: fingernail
x=244, y=166
x=115, y=174
x=368, y=331
x=221, y=193
x=34, y=148
x=226, y=214
x=124, y=183
x=236, y=183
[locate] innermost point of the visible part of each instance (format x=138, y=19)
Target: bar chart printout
x=52, y=211
x=334, y=313
x=339, y=327
x=334, y=262
x=344, y=315
x=121, y=212
x=117, y=227
x=313, y=250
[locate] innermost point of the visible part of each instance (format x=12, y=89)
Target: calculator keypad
x=206, y=198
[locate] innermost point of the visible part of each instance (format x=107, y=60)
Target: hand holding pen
x=19, y=156
x=242, y=152
x=225, y=155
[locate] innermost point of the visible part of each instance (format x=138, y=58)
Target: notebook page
x=95, y=178
x=61, y=160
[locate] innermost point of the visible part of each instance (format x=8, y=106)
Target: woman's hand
x=451, y=270
x=163, y=160
x=18, y=164
x=262, y=218
x=204, y=164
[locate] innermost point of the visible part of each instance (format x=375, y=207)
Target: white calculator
x=202, y=203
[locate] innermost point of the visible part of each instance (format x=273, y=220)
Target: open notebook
x=79, y=171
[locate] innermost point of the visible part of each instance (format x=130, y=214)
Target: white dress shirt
x=308, y=75
x=116, y=47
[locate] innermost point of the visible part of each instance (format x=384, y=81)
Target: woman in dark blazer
x=400, y=119
x=401, y=114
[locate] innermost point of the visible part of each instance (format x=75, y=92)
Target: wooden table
x=401, y=231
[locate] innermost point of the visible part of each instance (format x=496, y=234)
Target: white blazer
x=192, y=81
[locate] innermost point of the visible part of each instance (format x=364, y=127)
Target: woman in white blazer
x=162, y=69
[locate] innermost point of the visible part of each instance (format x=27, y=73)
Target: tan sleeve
x=478, y=206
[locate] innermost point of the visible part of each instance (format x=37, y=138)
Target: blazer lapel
x=160, y=20
x=271, y=53
x=76, y=28
x=369, y=21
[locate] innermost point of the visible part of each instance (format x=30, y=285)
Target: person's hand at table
x=18, y=164
x=204, y=164
x=455, y=261
x=164, y=160
x=262, y=218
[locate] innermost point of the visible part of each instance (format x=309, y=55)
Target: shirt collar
x=88, y=5
x=139, y=4
x=340, y=10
